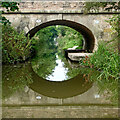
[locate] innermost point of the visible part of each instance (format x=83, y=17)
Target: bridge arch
x=86, y=32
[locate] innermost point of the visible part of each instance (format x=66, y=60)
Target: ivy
x=96, y=6
x=8, y=6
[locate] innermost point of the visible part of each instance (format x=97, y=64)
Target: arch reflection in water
x=55, y=68
x=15, y=78
x=64, y=89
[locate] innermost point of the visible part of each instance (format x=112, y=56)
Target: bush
x=104, y=60
x=15, y=46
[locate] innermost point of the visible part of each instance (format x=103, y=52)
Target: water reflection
x=17, y=77
x=58, y=69
x=65, y=89
x=22, y=86
x=59, y=72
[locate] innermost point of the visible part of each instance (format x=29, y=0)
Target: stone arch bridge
x=33, y=16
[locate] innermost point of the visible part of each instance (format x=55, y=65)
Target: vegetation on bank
x=15, y=77
x=105, y=59
x=68, y=38
x=16, y=47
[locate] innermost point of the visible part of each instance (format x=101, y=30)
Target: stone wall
x=33, y=14
x=54, y=6
x=95, y=23
x=58, y=6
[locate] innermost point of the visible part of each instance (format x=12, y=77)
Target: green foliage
x=15, y=46
x=8, y=6
x=44, y=61
x=79, y=47
x=106, y=61
x=68, y=38
x=49, y=42
x=107, y=6
x=5, y=21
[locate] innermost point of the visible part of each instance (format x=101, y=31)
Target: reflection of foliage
x=72, y=71
x=43, y=66
x=108, y=88
x=68, y=37
x=44, y=61
x=15, y=77
x=15, y=46
x=89, y=74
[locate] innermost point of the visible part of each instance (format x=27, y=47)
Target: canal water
x=51, y=86
x=43, y=85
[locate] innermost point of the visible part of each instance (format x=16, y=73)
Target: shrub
x=104, y=60
x=15, y=46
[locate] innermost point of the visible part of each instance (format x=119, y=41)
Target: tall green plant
x=106, y=61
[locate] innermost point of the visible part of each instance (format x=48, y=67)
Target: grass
x=105, y=60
